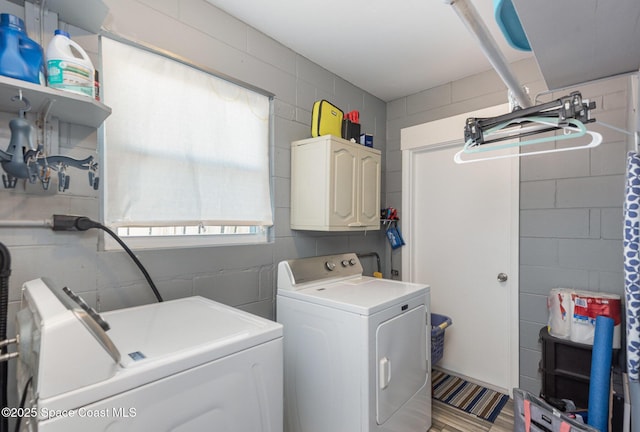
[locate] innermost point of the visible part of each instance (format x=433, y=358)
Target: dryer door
x=401, y=361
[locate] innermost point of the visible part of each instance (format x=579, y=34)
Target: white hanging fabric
x=196, y=152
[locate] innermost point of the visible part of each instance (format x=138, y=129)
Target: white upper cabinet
x=335, y=185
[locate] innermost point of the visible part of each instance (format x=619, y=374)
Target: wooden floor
x=449, y=419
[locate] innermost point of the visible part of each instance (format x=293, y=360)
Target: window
x=185, y=153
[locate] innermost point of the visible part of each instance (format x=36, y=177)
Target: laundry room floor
x=448, y=419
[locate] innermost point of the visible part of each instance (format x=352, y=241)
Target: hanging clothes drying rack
x=569, y=113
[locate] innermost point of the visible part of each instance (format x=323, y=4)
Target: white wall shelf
x=89, y=16
x=66, y=106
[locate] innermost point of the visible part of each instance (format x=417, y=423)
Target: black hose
x=5, y=272
x=371, y=254
x=84, y=223
x=23, y=401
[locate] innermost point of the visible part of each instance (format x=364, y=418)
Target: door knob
x=502, y=277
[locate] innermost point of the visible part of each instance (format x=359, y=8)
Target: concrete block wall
x=571, y=220
x=570, y=203
x=242, y=276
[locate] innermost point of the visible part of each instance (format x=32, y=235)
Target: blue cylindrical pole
x=600, y=380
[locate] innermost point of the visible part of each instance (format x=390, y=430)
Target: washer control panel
x=350, y=262
x=303, y=270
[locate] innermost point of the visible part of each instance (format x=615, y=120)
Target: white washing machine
x=183, y=365
x=356, y=351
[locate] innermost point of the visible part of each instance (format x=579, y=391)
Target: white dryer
x=356, y=351
x=188, y=365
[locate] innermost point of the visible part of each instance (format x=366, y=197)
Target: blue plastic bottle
x=20, y=57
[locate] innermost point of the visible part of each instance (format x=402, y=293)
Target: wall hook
x=27, y=104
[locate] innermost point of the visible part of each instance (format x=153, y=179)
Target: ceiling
x=390, y=49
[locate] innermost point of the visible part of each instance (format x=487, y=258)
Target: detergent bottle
x=69, y=67
x=20, y=57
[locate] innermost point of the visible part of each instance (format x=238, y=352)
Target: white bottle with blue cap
x=69, y=67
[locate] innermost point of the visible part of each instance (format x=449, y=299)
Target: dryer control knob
x=352, y=261
x=344, y=263
x=330, y=265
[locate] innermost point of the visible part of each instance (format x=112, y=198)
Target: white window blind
x=181, y=147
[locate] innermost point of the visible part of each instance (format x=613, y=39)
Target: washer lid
x=163, y=339
x=182, y=329
x=363, y=295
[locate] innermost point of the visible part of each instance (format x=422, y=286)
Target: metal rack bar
x=469, y=15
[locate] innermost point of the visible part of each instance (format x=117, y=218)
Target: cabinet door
x=369, y=200
x=343, y=185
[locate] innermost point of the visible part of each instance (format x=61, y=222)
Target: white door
x=461, y=227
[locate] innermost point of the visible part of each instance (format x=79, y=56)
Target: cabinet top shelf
x=66, y=106
x=89, y=16
x=325, y=138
